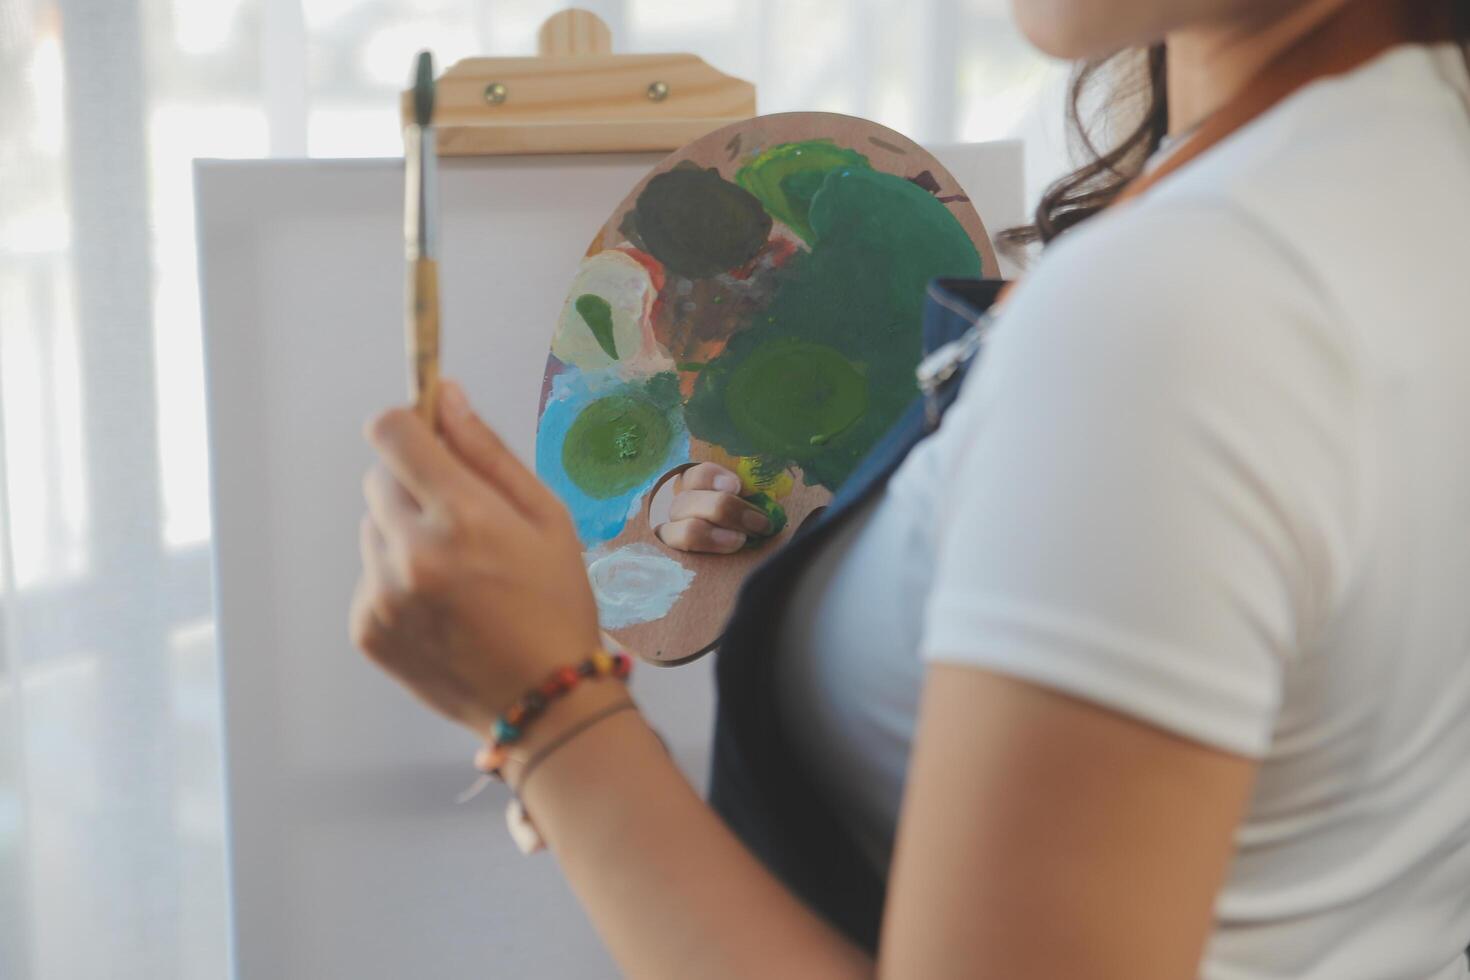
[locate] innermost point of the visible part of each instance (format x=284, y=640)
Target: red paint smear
x=776, y=251
x=656, y=275
x=654, y=266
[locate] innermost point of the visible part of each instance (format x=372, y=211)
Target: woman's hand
x=707, y=513
x=473, y=586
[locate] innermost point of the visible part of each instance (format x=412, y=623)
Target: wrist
x=556, y=720
x=596, y=763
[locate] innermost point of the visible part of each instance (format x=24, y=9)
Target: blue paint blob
x=598, y=519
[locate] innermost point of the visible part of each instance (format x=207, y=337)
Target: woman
x=1160, y=641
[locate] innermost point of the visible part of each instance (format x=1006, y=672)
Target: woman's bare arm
x=1041, y=837
x=1045, y=837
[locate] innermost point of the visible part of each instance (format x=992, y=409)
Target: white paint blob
x=636, y=584
x=624, y=284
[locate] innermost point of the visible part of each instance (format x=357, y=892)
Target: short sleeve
x=1149, y=481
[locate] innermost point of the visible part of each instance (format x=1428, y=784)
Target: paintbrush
x=421, y=245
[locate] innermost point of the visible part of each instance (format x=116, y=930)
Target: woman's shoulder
x=1360, y=179
x=1404, y=113
x=1168, y=278
x=1167, y=314
x=1313, y=216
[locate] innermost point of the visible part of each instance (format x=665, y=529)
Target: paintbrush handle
x=423, y=336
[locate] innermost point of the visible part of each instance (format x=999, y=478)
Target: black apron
x=758, y=784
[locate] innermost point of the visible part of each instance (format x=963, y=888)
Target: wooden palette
x=755, y=301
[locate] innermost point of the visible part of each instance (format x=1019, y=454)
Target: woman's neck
x=1209, y=64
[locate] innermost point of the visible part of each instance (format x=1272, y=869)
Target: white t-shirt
x=1213, y=472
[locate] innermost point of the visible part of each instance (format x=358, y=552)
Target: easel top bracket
x=576, y=96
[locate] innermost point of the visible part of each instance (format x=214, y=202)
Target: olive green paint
x=698, y=224
x=616, y=443
x=596, y=312
x=786, y=177
x=790, y=396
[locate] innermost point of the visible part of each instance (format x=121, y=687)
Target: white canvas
x=349, y=857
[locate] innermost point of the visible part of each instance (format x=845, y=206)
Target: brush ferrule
x=421, y=193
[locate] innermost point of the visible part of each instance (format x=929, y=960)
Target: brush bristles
x=423, y=89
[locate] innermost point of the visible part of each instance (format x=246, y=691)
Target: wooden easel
x=576, y=96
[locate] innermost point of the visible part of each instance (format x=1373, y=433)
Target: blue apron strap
x=951, y=306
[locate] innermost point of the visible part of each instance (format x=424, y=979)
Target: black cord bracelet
x=561, y=740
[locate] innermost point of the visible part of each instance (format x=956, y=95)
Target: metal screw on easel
x=658, y=91
x=496, y=93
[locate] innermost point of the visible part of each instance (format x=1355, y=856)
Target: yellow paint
x=777, y=484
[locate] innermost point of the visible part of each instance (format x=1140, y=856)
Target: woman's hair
x=1117, y=116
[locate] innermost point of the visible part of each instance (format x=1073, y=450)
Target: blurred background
x=112, y=836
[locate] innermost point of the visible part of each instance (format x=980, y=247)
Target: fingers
x=392, y=510
x=362, y=628
x=485, y=453
x=371, y=545
x=707, y=516
x=423, y=464
x=367, y=623
x=720, y=509
x=696, y=534
x=708, y=476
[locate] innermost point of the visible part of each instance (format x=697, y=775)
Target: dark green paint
x=617, y=443
x=699, y=224
x=785, y=178
x=878, y=240
x=596, y=312
x=663, y=390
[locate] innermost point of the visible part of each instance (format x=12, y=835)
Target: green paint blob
x=858, y=296
x=663, y=390
x=596, y=312
x=789, y=396
x=774, y=512
x=786, y=177
x=699, y=224
x=617, y=443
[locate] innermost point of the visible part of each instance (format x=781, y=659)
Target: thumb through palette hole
x=661, y=500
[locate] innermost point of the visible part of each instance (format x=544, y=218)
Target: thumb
x=484, y=452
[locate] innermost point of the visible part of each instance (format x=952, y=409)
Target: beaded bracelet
x=522, y=829
x=509, y=727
